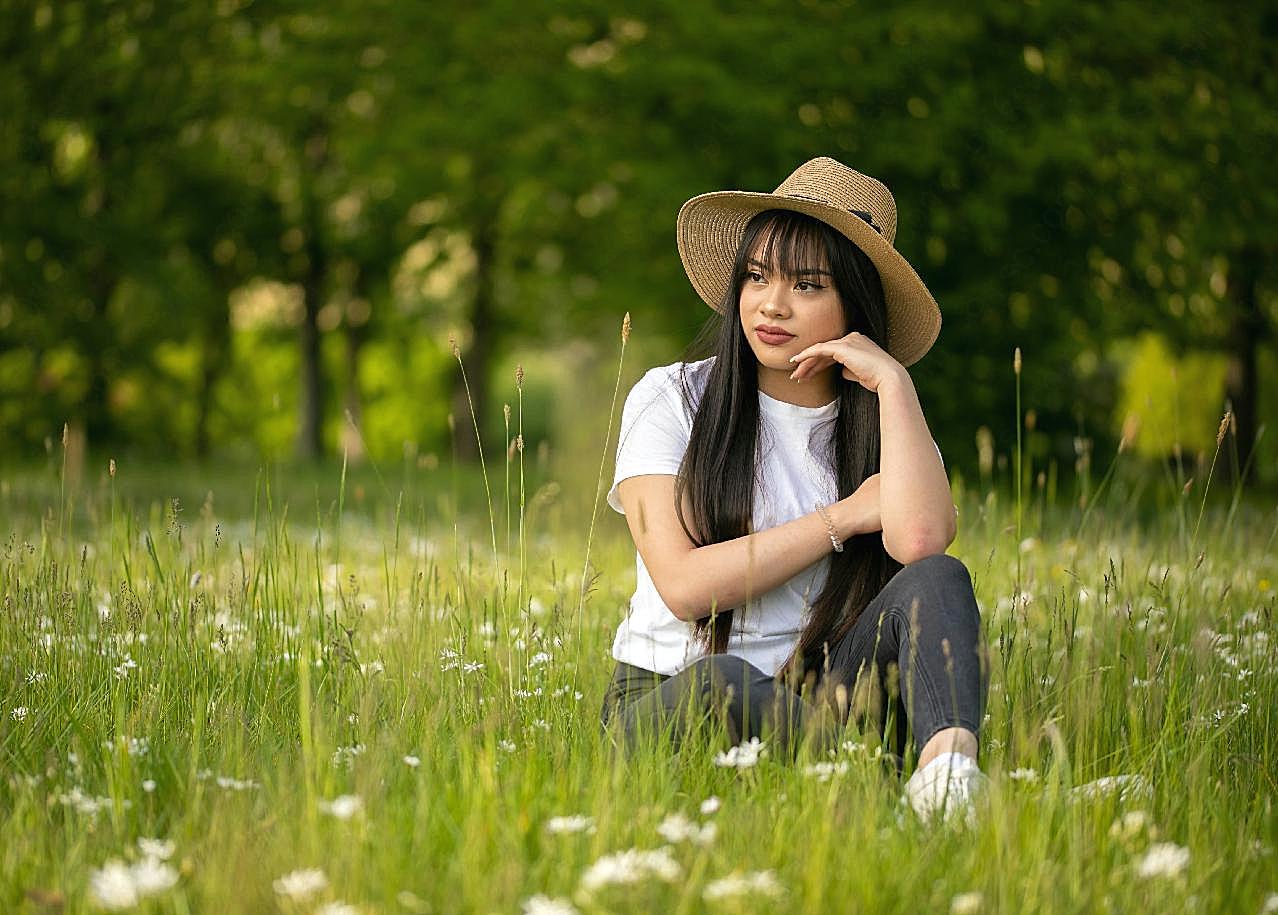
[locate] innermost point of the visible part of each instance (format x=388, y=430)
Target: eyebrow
x=807, y=271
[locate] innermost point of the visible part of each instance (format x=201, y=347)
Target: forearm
x=916, y=506
x=726, y=574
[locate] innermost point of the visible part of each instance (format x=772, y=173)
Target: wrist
x=895, y=383
x=846, y=518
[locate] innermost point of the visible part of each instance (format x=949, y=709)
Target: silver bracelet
x=829, y=526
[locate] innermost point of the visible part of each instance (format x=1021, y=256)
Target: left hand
x=862, y=359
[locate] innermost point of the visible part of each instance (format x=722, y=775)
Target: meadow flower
x=506, y=746
x=678, y=828
x=1125, y=787
x=156, y=848
x=569, y=824
x=545, y=905
x=1163, y=859
x=758, y=883
x=148, y=785
x=300, y=885
x=20, y=713
x=1023, y=775
x=1131, y=824
x=345, y=756
x=471, y=667
x=824, y=771
x=541, y=723
x=967, y=903
x=539, y=659
x=112, y=887
x=37, y=676
x=412, y=761
x=122, y=670
x=337, y=907
x=742, y=756
x=631, y=866
x=120, y=886
x=234, y=784
x=709, y=805
x=1270, y=905
x=343, y=807
x=152, y=876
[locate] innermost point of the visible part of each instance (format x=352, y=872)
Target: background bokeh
x=250, y=230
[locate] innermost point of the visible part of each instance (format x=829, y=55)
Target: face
x=805, y=306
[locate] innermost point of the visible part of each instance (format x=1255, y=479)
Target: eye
x=754, y=276
x=801, y=284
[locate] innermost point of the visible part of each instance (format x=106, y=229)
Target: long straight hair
x=718, y=473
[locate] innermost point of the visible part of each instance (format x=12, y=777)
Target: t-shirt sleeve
x=654, y=432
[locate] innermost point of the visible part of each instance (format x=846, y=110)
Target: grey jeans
x=916, y=651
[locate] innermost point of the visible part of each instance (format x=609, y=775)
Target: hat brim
x=709, y=229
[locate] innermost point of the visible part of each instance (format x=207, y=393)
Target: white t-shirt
x=655, y=430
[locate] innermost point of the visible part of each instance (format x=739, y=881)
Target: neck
x=815, y=391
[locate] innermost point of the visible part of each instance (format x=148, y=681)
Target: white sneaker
x=947, y=785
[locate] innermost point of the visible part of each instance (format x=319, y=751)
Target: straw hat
x=710, y=226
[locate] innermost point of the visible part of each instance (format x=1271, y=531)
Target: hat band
x=867, y=217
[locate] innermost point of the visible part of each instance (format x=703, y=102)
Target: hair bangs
x=789, y=242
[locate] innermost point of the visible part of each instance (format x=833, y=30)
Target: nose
x=776, y=304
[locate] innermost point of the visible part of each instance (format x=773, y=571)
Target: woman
x=789, y=507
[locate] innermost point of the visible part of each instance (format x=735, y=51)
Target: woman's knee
x=937, y=587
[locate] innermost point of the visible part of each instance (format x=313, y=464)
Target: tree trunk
x=310, y=431
x=479, y=355
x=213, y=353
x=353, y=420
x=1247, y=329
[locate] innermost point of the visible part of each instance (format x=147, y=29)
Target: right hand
x=863, y=508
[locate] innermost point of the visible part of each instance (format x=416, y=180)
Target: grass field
x=319, y=693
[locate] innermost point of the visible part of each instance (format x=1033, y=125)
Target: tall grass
x=236, y=683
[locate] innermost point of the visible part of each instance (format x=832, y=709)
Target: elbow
x=677, y=602
x=918, y=545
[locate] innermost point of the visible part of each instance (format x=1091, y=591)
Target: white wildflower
x=678, y=828
x=506, y=746
x=759, y=883
x=343, y=807
x=1023, y=775
x=337, y=907
x=1131, y=824
x=1164, y=859
x=148, y=785
x=120, y=886
x=20, y=713
x=545, y=905
x=631, y=866
x=412, y=761
x=37, y=676
x=112, y=886
x=742, y=756
x=1270, y=905
x=162, y=849
x=1125, y=787
x=300, y=885
x=345, y=756
x=228, y=783
x=967, y=903
x=824, y=771
x=568, y=824
x=709, y=805
x=471, y=666
x=152, y=876
x=539, y=659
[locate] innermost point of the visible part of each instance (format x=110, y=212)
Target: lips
x=773, y=336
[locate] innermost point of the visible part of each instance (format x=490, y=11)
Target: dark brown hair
x=719, y=468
